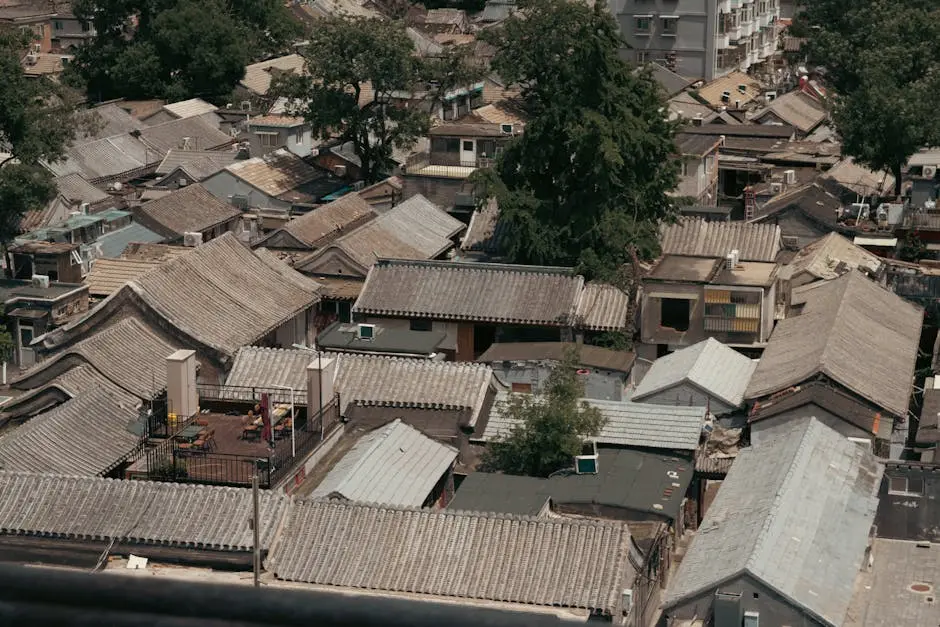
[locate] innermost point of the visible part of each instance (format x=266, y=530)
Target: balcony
x=765, y=19
x=734, y=33
x=724, y=6
x=722, y=40
x=445, y=165
x=768, y=49
x=747, y=29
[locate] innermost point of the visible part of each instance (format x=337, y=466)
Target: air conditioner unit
x=84, y=208
x=365, y=331
x=246, y=105
x=339, y=170
x=930, y=171
x=698, y=120
x=40, y=280
x=181, y=182
x=789, y=177
x=626, y=601
x=770, y=96
x=776, y=187
x=37, y=48
x=192, y=239
x=791, y=241
x=32, y=58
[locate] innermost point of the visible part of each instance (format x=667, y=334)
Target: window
x=907, y=486
x=685, y=169
x=268, y=140
x=522, y=388
x=675, y=313
x=420, y=325
x=57, y=25
x=26, y=335
x=445, y=144
x=299, y=135
x=669, y=25
x=642, y=56
x=468, y=145
x=643, y=24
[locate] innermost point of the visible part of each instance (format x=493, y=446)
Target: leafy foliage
x=883, y=60
x=454, y=68
x=36, y=123
x=178, y=48
x=913, y=248
x=344, y=55
x=590, y=175
x=551, y=427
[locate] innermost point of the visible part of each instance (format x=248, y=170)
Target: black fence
x=235, y=393
x=168, y=461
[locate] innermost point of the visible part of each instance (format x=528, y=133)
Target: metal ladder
x=750, y=203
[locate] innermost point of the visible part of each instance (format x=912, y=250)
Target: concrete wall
x=910, y=516
x=223, y=186
x=763, y=428
x=449, y=328
x=652, y=333
x=605, y=385
x=686, y=395
x=774, y=610
x=694, y=42
x=286, y=138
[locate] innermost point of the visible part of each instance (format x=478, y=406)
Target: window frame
x=672, y=20
x=906, y=491
x=638, y=28
x=420, y=324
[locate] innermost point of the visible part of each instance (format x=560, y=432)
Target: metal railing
x=235, y=393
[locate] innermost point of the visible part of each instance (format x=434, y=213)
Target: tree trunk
x=896, y=172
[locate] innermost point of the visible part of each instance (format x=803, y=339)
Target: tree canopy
x=590, y=176
x=36, y=124
x=882, y=59
x=550, y=428
x=354, y=66
x=176, y=49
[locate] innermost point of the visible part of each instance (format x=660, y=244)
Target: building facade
x=702, y=39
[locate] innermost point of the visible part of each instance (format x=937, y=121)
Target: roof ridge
x=473, y=265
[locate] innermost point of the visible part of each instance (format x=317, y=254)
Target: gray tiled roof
x=712, y=367
x=628, y=424
x=534, y=561
x=86, y=435
x=199, y=163
x=371, y=380
x=324, y=223
x=481, y=292
x=698, y=238
x=852, y=330
x=188, y=209
x=77, y=189
x=111, y=156
x=219, y=294
x=168, y=514
x=71, y=383
x=127, y=353
x=603, y=307
x=202, y=132
x=114, y=244
x=394, y=465
x=414, y=229
x=794, y=512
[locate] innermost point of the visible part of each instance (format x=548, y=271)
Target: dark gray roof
x=471, y=291
x=644, y=483
x=853, y=331
x=591, y=356
x=342, y=336
x=696, y=237
x=781, y=131
x=393, y=465
x=549, y=562
x=189, y=209
x=696, y=145
x=114, y=244
x=137, y=512
x=671, y=82
x=501, y=494
x=87, y=435
x=794, y=513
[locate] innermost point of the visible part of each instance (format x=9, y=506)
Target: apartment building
x=699, y=39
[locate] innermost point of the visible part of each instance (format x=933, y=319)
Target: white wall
x=449, y=328
x=223, y=185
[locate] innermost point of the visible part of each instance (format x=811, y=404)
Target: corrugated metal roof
x=794, y=512
x=628, y=424
x=697, y=238
x=114, y=244
x=200, y=132
x=190, y=108
x=109, y=275
x=150, y=512
x=112, y=156
x=219, y=294
x=127, y=353
x=857, y=333
x=471, y=291
x=258, y=76
x=188, y=209
x=86, y=435
x=829, y=257
x=716, y=369
x=551, y=562
x=371, y=380
x=603, y=307
x=202, y=162
x=394, y=465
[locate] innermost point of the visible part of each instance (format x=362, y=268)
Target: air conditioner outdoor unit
x=246, y=105
x=791, y=241
x=776, y=187
x=37, y=48
x=770, y=96
x=40, y=280
x=182, y=182
x=84, y=208
x=365, y=331
x=626, y=601
x=789, y=177
x=339, y=170
x=930, y=171
x=192, y=239
x=32, y=58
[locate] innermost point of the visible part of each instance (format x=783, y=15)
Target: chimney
x=181, y=396
x=320, y=374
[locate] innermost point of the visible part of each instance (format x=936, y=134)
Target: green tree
x=912, y=248
x=455, y=67
x=344, y=56
x=550, y=428
x=883, y=62
x=175, y=48
x=590, y=175
x=36, y=124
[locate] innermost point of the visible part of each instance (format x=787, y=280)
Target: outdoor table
x=190, y=433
